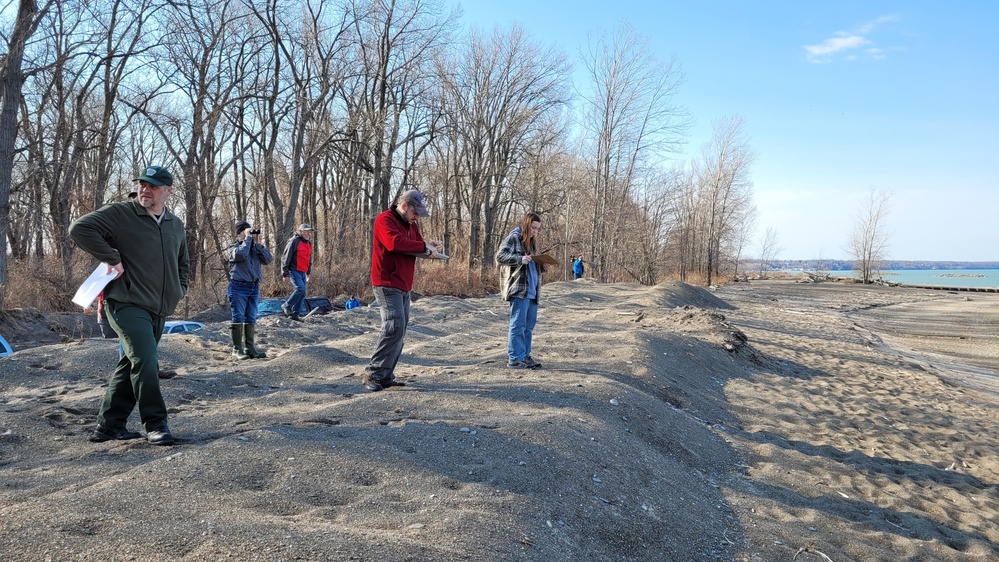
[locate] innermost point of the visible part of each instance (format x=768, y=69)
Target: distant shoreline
x=847, y=265
x=977, y=281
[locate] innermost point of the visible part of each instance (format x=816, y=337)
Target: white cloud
x=835, y=45
x=869, y=26
x=845, y=41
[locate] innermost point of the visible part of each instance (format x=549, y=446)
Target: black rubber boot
x=238, y=346
x=249, y=331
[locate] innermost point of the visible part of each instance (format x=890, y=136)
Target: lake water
x=936, y=277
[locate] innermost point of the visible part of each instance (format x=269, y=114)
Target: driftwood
x=817, y=277
x=810, y=549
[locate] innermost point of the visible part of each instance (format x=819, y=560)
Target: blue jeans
x=243, y=299
x=296, y=302
x=394, y=306
x=523, y=318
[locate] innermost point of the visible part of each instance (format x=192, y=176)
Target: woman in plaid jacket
x=521, y=287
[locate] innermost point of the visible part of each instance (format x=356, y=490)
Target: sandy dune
x=757, y=422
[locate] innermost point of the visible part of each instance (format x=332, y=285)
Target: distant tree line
x=887, y=265
x=322, y=111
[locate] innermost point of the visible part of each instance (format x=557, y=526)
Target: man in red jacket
x=397, y=243
x=296, y=265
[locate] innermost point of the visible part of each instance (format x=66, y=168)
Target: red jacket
x=394, y=239
x=297, y=256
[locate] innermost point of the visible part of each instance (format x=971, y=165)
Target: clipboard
x=545, y=259
x=440, y=256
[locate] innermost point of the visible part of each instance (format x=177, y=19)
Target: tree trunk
x=11, y=85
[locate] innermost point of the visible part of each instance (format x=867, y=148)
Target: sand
x=759, y=421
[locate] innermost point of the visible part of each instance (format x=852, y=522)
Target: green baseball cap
x=156, y=175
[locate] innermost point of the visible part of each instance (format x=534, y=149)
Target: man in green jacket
x=145, y=245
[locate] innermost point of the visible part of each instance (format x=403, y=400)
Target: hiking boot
x=102, y=434
x=296, y=318
x=166, y=374
x=372, y=386
x=160, y=436
x=286, y=309
x=517, y=365
x=531, y=363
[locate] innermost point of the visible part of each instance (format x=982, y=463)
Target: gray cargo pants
x=394, y=305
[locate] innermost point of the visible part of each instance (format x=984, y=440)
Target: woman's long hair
x=525, y=232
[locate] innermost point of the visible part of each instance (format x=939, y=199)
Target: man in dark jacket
x=296, y=265
x=247, y=256
x=146, y=247
x=397, y=242
x=105, y=325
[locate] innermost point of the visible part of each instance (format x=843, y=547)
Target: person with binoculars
x=247, y=256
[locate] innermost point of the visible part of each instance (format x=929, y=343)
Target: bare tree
x=685, y=242
x=652, y=228
x=396, y=42
x=208, y=50
x=725, y=189
x=127, y=40
x=71, y=121
x=632, y=119
x=12, y=77
x=307, y=62
x=821, y=266
x=770, y=248
x=500, y=93
x=869, y=241
x=320, y=111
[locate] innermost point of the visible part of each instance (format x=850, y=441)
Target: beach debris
x=615, y=402
x=811, y=550
x=953, y=465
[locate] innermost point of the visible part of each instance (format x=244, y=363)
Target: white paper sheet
x=93, y=286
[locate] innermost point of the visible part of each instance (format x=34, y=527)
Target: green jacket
x=154, y=255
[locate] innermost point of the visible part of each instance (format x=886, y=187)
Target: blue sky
x=838, y=97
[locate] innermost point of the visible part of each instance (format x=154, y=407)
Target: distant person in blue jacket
x=577, y=268
x=247, y=256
